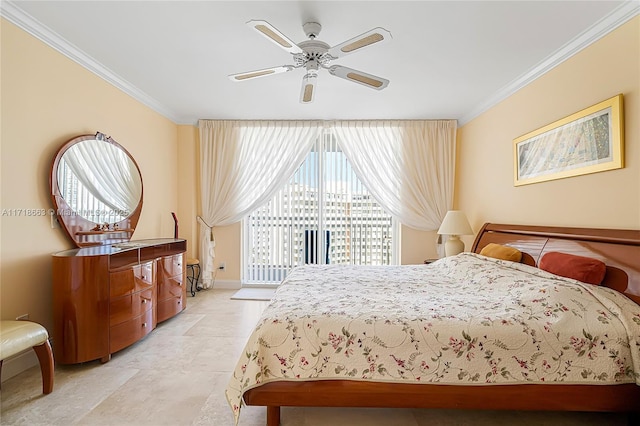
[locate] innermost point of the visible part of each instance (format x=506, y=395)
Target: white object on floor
x=254, y=294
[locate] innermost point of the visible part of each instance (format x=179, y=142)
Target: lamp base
x=453, y=246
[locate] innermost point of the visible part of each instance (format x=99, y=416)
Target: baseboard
x=15, y=365
x=227, y=284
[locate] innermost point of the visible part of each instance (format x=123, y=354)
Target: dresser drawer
x=131, y=280
x=126, y=333
x=125, y=308
x=170, y=287
x=169, y=307
x=172, y=265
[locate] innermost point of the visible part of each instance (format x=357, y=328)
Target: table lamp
x=455, y=223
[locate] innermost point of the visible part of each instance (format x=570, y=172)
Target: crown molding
x=12, y=13
x=613, y=20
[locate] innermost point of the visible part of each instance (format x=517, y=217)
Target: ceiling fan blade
x=260, y=73
x=274, y=35
x=359, y=77
x=308, y=88
x=374, y=36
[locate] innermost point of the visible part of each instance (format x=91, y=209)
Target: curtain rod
x=330, y=121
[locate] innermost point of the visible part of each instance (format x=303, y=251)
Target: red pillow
x=585, y=269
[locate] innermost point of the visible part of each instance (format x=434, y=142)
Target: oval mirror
x=96, y=187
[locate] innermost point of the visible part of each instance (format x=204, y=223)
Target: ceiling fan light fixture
x=363, y=42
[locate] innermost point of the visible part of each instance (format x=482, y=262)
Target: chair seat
x=192, y=262
x=17, y=336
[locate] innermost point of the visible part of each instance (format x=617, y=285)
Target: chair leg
x=190, y=275
x=45, y=356
x=1, y=373
x=198, y=278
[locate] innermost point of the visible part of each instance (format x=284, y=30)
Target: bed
x=355, y=360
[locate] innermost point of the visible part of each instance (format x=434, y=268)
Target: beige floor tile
x=520, y=418
x=218, y=354
x=154, y=397
x=359, y=417
x=179, y=327
x=216, y=410
x=238, y=324
x=77, y=390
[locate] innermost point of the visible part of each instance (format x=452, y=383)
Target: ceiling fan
x=314, y=54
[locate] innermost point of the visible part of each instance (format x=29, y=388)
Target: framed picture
x=588, y=141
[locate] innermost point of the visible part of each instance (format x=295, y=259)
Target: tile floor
x=177, y=376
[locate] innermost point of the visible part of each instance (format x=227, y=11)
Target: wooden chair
x=18, y=336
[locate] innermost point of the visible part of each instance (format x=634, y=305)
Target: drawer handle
x=144, y=324
x=144, y=301
x=144, y=278
x=179, y=302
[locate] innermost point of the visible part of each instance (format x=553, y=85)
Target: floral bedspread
x=466, y=320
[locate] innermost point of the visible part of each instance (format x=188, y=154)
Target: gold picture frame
x=588, y=141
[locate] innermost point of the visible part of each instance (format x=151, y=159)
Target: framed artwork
x=588, y=141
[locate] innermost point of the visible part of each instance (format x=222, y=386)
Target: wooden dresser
x=108, y=297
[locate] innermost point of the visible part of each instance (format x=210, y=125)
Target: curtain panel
x=242, y=165
x=408, y=166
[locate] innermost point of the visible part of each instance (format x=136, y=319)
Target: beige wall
x=187, y=187
x=228, y=246
x=48, y=99
x=417, y=246
x=611, y=199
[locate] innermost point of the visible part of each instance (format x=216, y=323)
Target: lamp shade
x=455, y=223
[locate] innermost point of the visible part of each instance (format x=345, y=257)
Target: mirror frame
x=79, y=229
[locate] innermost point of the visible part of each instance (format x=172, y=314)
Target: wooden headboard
x=619, y=249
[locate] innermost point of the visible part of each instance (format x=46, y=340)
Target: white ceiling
x=447, y=59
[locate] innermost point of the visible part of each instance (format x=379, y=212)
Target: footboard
x=343, y=393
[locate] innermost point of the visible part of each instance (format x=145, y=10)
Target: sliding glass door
x=322, y=215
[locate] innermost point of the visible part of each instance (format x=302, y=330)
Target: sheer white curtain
x=242, y=165
x=408, y=166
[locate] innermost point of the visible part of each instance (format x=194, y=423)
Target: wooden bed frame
x=619, y=249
